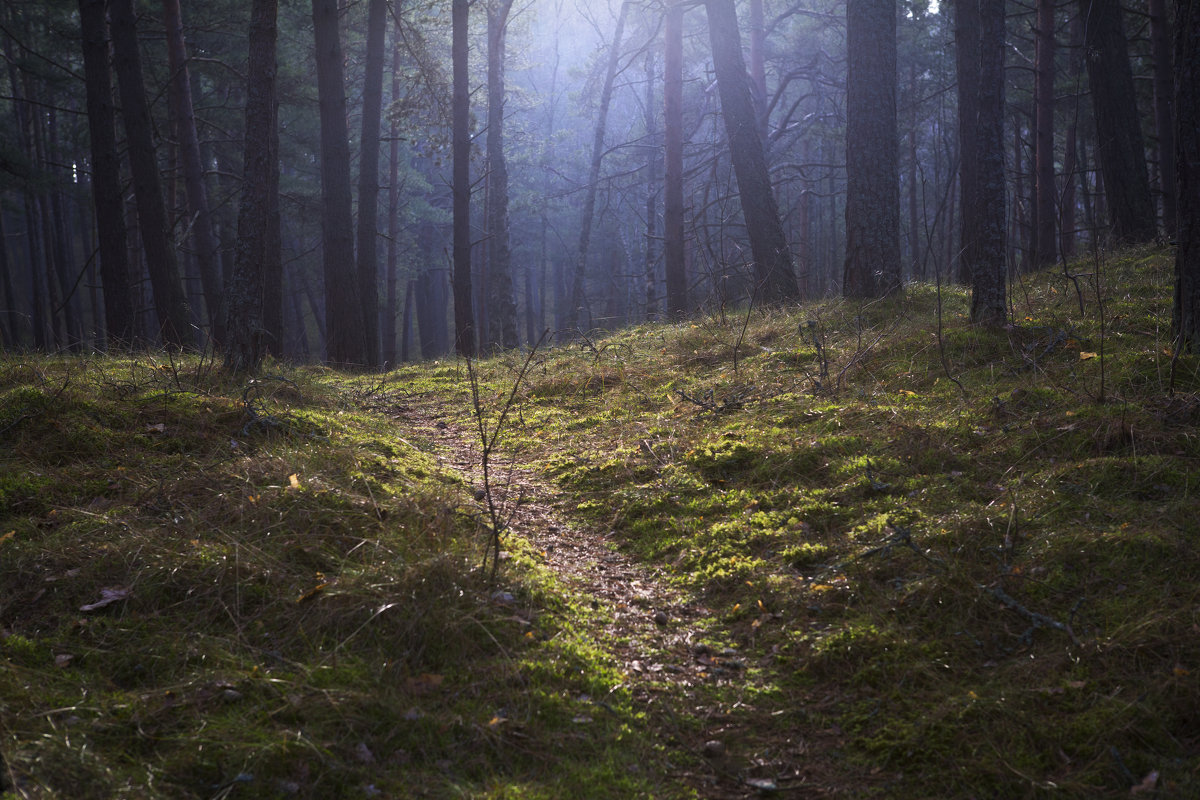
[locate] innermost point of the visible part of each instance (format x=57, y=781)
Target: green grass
x=951, y=568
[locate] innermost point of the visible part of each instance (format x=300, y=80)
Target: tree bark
x=988, y=301
x=169, y=299
x=1160, y=41
x=368, y=181
x=193, y=169
x=673, y=260
x=653, y=178
x=966, y=46
x=873, y=262
x=246, y=329
x=344, y=323
x=773, y=270
x=1121, y=148
x=1187, y=161
x=393, y=224
x=502, y=307
x=1044, y=209
x=464, y=315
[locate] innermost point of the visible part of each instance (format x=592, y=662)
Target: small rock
x=764, y=785
x=364, y=754
x=231, y=695
x=714, y=748
x=701, y=649
x=503, y=598
x=660, y=618
x=480, y=494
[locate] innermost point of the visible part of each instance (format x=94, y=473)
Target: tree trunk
x=966, y=46
x=344, y=323
x=169, y=299
x=1187, y=160
x=1044, y=209
x=758, y=65
x=988, y=302
x=578, y=290
x=246, y=329
x=674, y=268
x=502, y=307
x=393, y=225
x=873, y=263
x=1122, y=151
x=1067, y=221
x=768, y=246
x=653, y=177
x=1160, y=41
x=368, y=181
x=193, y=169
x=464, y=315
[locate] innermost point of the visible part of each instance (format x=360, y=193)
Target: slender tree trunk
x=169, y=298
x=758, y=65
x=1160, y=40
x=464, y=315
x=406, y=320
x=773, y=270
x=393, y=224
x=344, y=323
x=988, y=302
x=966, y=45
x=8, y=319
x=1122, y=151
x=368, y=180
x=1187, y=160
x=578, y=289
x=1045, y=213
x=193, y=168
x=653, y=178
x=673, y=260
x=1067, y=216
x=502, y=307
x=246, y=329
x=872, y=266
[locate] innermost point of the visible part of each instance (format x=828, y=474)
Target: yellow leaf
x=8, y=536
x=756, y=624
x=1084, y=355
x=1181, y=671
x=294, y=480
x=311, y=593
x=736, y=606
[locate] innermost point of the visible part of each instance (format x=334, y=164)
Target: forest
x=632, y=398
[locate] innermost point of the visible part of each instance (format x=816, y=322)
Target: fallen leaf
x=108, y=596
x=63, y=659
x=158, y=427
x=294, y=481
x=1148, y=784
x=7, y=536
x=1084, y=355
x=313, y=592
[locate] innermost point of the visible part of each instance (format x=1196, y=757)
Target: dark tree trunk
x=169, y=299
x=674, y=267
x=988, y=302
x=393, y=225
x=1160, y=40
x=773, y=273
x=1187, y=160
x=1044, y=210
x=501, y=305
x=873, y=264
x=1070, y=159
x=246, y=328
x=758, y=66
x=406, y=320
x=966, y=45
x=368, y=181
x=578, y=288
x=344, y=323
x=1122, y=151
x=193, y=168
x=464, y=315
x=653, y=178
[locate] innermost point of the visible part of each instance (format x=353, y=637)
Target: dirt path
x=655, y=631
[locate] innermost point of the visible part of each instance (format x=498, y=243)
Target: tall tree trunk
x=9, y=338
x=368, y=180
x=673, y=260
x=988, y=302
x=246, y=328
x=344, y=323
x=406, y=320
x=653, y=178
x=1121, y=148
x=872, y=152
x=758, y=65
x=393, y=222
x=464, y=315
x=966, y=46
x=1044, y=209
x=578, y=289
x=1160, y=40
x=1187, y=160
x=768, y=246
x=1070, y=160
x=169, y=299
x=498, y=291
x=193, y=168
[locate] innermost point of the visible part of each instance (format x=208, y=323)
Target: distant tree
x=368, y=180
x=1187, y=162
x=673, y=255
x=344, y=324
x=169, y=299
x=773, y=272
x=464, y=315
x=106, y=175
x=1045, y=211
x=498, y=289
x=872, y=151
x=1160, y=41
x=1120, y=144
x=245, y=324
x=988, y=303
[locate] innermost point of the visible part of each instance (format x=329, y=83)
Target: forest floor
x=836, y=551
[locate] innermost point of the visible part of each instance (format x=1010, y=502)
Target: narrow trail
x=656, y=632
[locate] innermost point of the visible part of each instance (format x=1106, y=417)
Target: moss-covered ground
x=951, y=562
